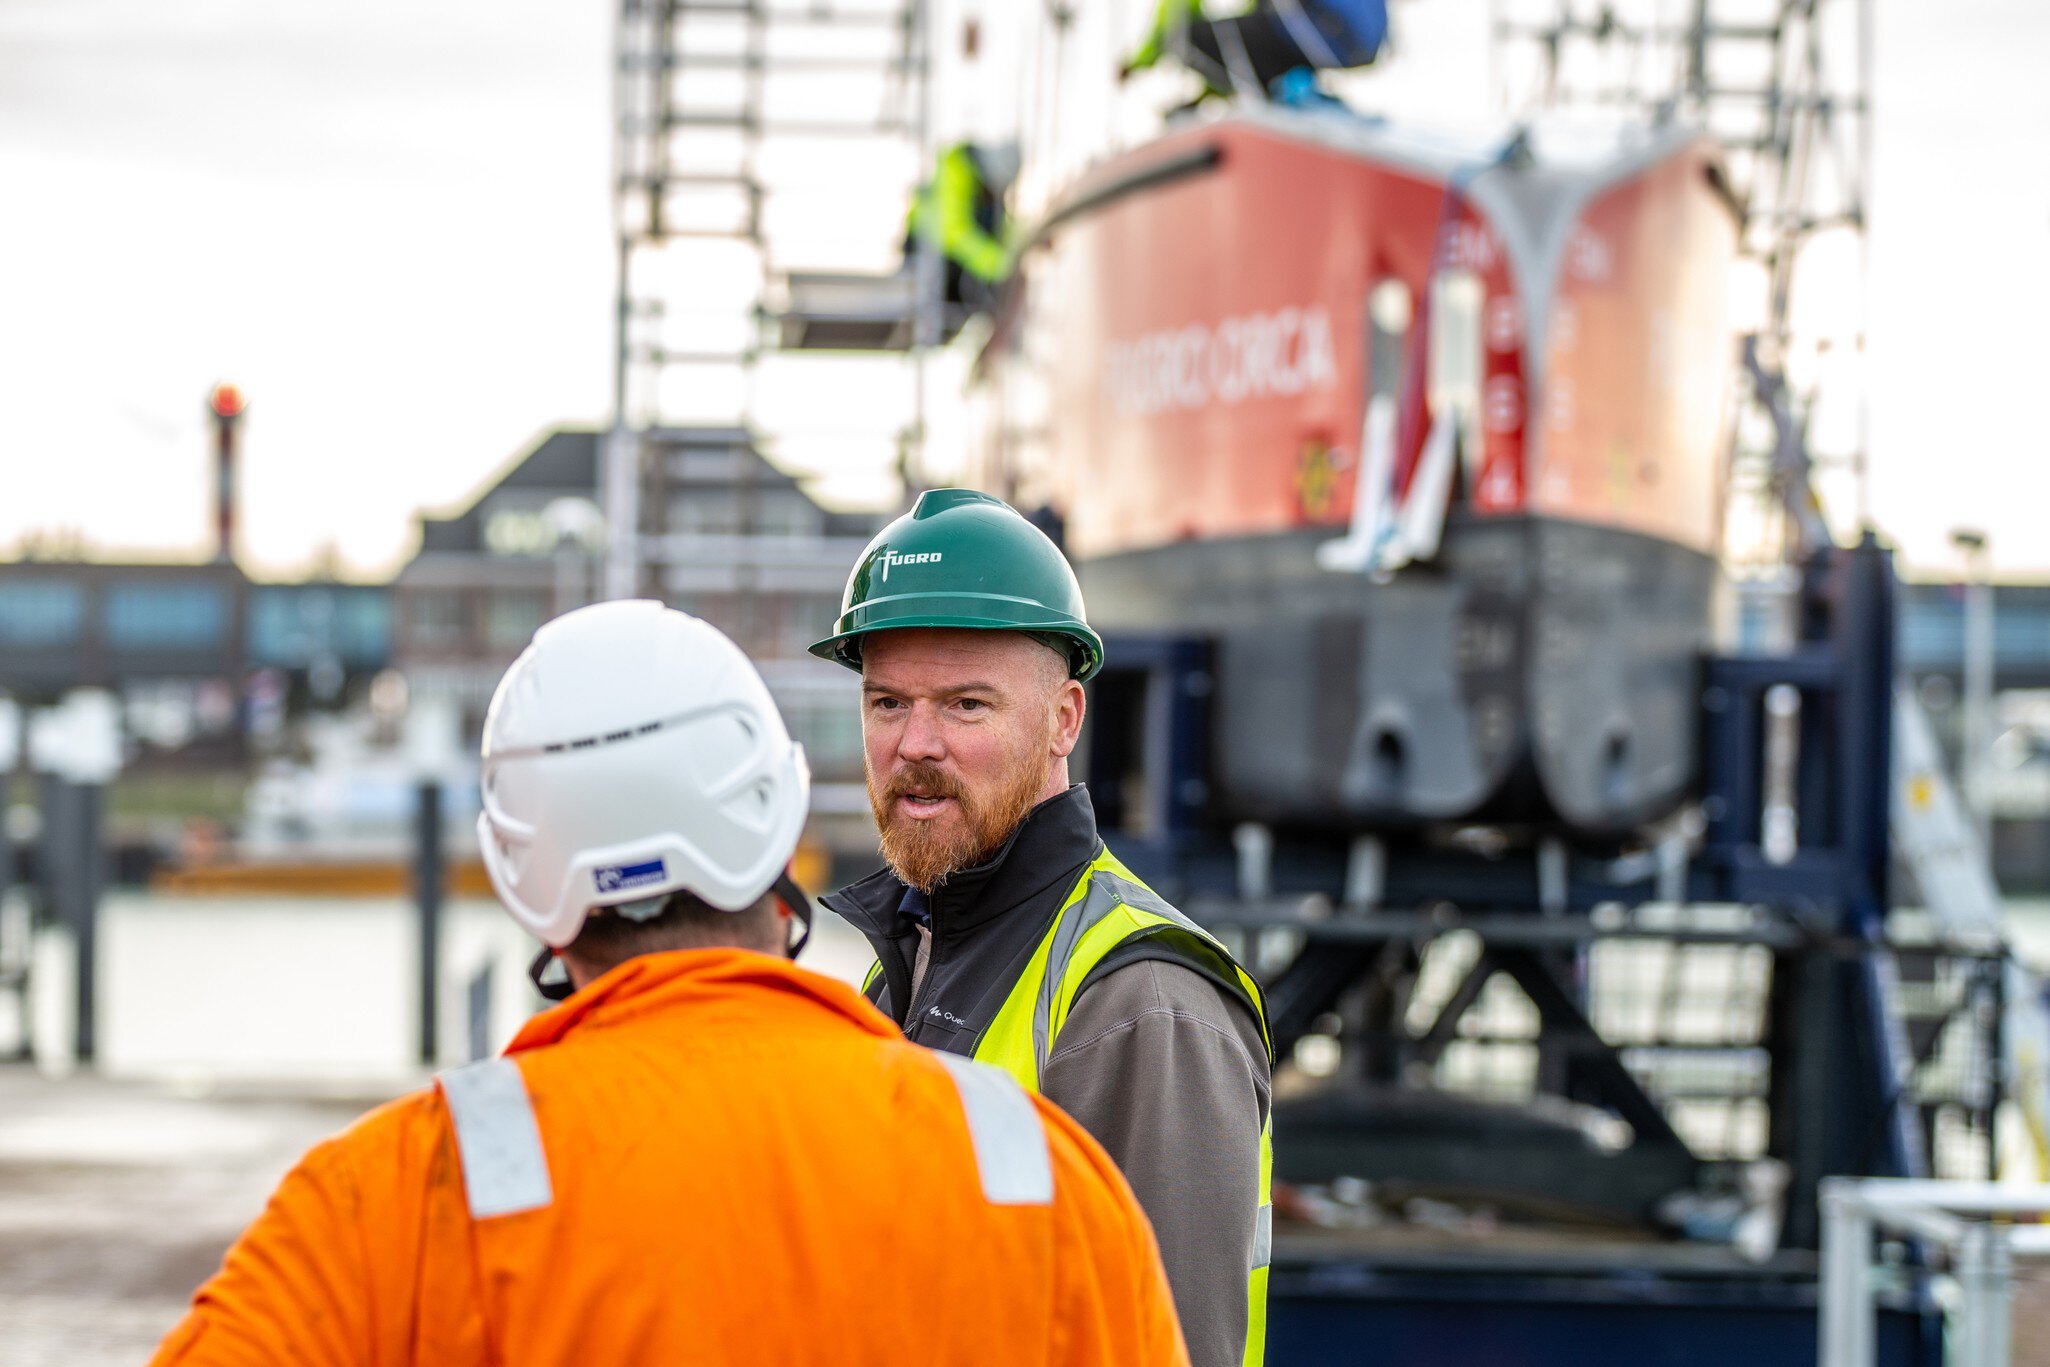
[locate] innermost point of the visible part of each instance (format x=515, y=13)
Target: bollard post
x=89, y=807
x=74, y=877
x=55, y=868
x=77, y=745
x=1847, y=1338
x=1999, y=1330
x=427, y=895
x=1985, y=1263
x=1970, y=1348
x=17, y=931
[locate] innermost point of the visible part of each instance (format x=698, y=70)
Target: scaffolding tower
x=1783, y=87
x=739, y=126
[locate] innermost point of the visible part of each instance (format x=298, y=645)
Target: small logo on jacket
x=889, y=558
x=934, y=1013
x=620, y=877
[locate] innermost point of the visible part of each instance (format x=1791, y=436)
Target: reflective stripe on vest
x=1107, y=909
x=1010, y=1142
x=505, y=1170
x=1263, y=1254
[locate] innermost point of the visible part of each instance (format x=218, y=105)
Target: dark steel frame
x=1839, y=1098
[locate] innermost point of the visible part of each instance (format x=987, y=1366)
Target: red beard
x=924, y=852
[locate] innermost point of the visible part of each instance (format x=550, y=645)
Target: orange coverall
x=744, y=1163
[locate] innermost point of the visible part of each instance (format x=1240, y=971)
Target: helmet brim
x=1084, y=646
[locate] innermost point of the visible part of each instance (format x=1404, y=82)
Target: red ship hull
x=1429, y=448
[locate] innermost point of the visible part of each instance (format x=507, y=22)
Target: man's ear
x=1069, y=705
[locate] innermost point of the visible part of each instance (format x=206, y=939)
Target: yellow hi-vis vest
x=943, y=214
x=1108, y=910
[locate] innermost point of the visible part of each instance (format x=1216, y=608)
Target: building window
x=40, y=614
x=166, y=616
x=365, y=628
x=511, y=619
x=518, y=531
x=705, y=512
x=275, y=633
x=436, y=617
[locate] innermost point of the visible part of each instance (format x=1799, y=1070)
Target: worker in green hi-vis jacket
x=960, y=213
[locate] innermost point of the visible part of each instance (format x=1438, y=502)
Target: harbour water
x=313, y=991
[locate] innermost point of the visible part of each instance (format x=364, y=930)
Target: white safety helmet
x=632, y=751
x=1000, y=162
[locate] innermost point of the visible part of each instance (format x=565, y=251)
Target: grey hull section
x=1539, y=671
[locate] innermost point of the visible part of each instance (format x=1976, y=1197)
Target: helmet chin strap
x=556, y=986
x=792, y=896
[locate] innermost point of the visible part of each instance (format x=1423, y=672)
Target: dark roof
x=449, y=534
x=571, y=459
x=564, y=459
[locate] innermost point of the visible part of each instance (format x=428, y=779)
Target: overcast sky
x=386, y=220
x=389, y=222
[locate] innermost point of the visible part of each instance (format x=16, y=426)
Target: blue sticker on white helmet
x=623, y=877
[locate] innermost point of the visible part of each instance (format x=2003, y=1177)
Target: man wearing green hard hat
x=1006, y=931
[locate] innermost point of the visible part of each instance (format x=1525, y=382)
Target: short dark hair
x=686, y=921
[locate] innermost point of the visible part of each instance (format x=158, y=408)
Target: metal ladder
x=721, y=110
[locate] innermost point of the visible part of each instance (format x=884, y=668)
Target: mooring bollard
x=77, y=746
x=88, y=878
x=74, y=877
x=432, y=745
x=427, y=897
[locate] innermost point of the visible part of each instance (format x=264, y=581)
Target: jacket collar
x=735, y=985
x=1054, y=840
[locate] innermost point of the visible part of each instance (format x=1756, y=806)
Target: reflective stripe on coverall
x=704, y=1156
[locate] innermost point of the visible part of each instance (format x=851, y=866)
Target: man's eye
x=886, y=704
x=973, y=705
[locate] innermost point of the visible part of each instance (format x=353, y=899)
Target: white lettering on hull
x=1243, y=358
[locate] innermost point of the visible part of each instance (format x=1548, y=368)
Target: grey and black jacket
x=1159, y=1057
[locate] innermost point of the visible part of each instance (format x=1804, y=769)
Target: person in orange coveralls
x=705, y=1154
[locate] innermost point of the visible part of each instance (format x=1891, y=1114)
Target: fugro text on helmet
x=889, y=558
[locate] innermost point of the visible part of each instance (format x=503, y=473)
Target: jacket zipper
x=912, y=1020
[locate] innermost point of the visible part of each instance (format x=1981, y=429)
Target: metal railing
x=1974, y=1226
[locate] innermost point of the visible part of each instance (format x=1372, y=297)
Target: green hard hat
x=963, y=559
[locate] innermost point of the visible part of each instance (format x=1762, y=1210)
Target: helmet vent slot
x=753, y=806
x=515, y=855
